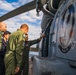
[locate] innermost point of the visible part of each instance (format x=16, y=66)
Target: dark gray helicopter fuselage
x=57, y=49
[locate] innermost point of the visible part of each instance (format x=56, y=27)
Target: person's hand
x=17, y=70
x=42, y=35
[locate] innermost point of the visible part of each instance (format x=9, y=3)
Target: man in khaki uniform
x=2, y=29
x=13, y=56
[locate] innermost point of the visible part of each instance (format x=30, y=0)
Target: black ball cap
x=7, y=32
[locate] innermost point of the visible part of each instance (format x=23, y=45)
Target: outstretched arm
x=36, y=40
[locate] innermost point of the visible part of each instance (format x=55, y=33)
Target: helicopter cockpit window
x=66, y=29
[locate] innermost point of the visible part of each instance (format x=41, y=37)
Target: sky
x=29, y=17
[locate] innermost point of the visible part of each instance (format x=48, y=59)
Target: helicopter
x=57, y=50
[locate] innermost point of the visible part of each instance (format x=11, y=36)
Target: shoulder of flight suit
x=13, y=40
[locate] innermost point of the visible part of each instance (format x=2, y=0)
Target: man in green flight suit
x=13, y=56
x=25, y=61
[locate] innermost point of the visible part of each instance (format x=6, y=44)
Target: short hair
x=24, y=26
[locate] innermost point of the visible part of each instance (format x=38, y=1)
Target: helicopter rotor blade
x=22, y=9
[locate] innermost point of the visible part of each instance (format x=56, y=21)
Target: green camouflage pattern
x=13, y=56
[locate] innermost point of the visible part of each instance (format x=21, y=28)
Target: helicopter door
x=44, y=43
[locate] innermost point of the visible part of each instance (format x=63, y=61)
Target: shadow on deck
x=30, y=66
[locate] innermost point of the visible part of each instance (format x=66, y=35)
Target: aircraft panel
x=65, y=28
